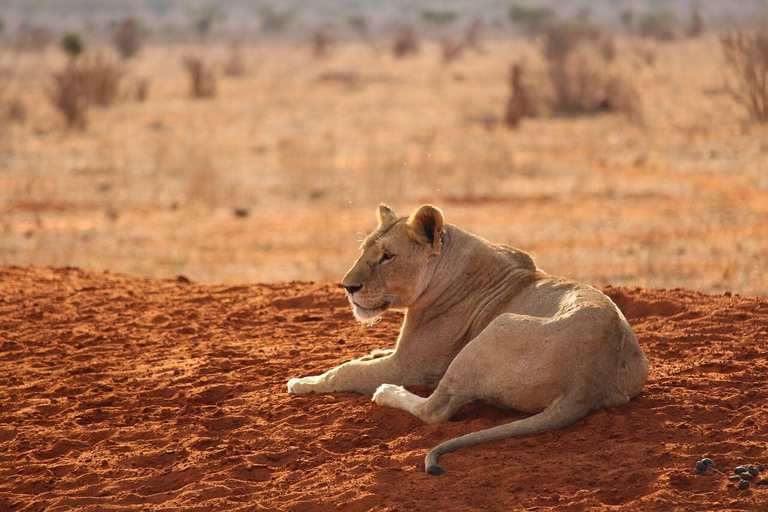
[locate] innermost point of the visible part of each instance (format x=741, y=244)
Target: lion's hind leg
x=439, y=407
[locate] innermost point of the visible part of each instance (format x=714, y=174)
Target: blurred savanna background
x=619, y=141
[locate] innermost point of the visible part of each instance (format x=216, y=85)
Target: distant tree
x=439, y=16
x=203, y=17
x=696, y=27
x=584, y=15
x=72, y=44
x=658, y=24
x=524, y=14
x=272, y=19
x=531, y=18
x=359, y=23
x=628, y=18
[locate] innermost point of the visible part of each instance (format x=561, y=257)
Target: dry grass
x=746, y=57
x=150, y=188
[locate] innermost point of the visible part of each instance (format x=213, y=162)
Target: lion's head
x=397, y=262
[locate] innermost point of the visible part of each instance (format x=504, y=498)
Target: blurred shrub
x=235, y=64
x=746, y=57
x=452, y=49
x=141, y=90
x=102, y=79
x=696, y=27
x=12, y=109
x=202, y=79
x=517, y=105
x=69, y=94
x=126, y=37
x=439, y=16
x=659, y=24
x=578, y=60
x=321, y=42
x=72, y=44
x=406, y=42
x=2, y=25
x=628, y=19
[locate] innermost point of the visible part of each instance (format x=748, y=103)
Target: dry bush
x=406, y=43
x=12, y=109
x=696, y=27
x=102, y=77
x=474, y=34
x=579, y=61
x=141, y=90
x=746, y=56
x=452, y=49
x=235, y=65
x=202, y=79
x=321, y=43
x=517, y=105
x=69, y=94
x=126, y=37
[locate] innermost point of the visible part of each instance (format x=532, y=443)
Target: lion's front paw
x=302, y=386
x=390, y=395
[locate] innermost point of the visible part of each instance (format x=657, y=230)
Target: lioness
x=481, y=322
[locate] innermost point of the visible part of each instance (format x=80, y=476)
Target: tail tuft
x=434, y=469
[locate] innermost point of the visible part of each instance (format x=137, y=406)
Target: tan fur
x=482, y=322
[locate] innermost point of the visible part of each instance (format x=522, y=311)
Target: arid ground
x=168, y=267
x=122, y=393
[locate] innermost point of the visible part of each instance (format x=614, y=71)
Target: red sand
x=118, y=392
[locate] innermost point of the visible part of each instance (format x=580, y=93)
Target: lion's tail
x=569, y=409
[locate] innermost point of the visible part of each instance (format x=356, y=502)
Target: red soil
x=118, y=392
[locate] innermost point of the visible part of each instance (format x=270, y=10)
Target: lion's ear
x=385, y=214
x=426, y=226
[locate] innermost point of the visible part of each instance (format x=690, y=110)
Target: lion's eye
x=386, y=257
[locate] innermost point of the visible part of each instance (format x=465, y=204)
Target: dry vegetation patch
x=746, y=57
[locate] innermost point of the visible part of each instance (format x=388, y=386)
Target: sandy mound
x=118, y=391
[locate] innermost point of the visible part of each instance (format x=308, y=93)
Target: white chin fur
x=367, y=316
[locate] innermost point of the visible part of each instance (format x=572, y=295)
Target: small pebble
x=700, y=466
x=747, y=476
x=752, y=470
x=739, y=469
x=709, y=462
x=759, y=467
x=734, y=478
x=743, y=484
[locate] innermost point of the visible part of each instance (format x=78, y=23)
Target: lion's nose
x=351, y=289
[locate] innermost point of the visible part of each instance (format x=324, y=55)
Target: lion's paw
x=390, y=395
x=302, y=386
